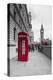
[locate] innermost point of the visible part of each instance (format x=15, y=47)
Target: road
x=38, y=64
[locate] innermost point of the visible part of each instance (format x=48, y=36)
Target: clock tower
x=41, y=33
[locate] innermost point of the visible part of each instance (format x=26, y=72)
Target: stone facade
x=18, y=22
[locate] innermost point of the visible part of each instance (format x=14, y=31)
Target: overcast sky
x=41, y=14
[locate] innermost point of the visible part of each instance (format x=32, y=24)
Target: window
x=20, y=7
x=14, y=32
x=14, y=13
x=23, y=13
x=20, y=23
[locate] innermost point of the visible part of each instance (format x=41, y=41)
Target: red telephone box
x=22, y=46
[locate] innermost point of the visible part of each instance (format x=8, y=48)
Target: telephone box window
x=22, y=47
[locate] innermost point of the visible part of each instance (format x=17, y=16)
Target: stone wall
x=47, y=51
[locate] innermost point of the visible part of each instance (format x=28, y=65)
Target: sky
x=41, y=14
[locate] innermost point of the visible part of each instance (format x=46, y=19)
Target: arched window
x=14, y=32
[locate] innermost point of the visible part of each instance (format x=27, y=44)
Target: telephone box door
x=22, y=46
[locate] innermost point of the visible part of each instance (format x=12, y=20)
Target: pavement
x=37, y=64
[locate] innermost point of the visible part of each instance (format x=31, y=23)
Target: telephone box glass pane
x=23, y=47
